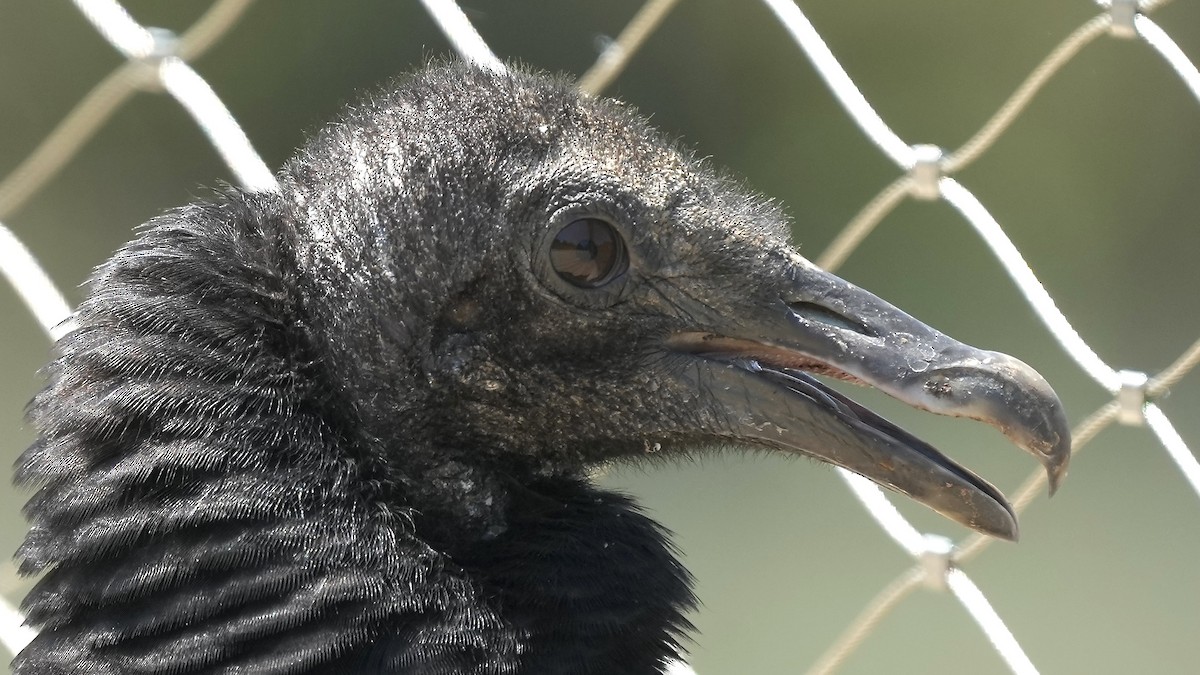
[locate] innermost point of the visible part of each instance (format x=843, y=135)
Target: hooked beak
x=758, y=367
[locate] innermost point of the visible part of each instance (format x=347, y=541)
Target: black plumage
x=347, y=428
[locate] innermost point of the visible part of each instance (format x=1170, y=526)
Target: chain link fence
x=157, y=60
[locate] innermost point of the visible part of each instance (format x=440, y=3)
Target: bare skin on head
x=349, y=427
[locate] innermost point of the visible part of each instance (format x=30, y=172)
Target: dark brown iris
x=588, y=253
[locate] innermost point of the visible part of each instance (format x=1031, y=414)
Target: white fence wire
x=159, y=59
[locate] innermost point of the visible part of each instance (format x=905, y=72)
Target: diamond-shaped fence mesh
x=1129, y=381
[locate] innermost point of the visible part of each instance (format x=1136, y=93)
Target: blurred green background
x=1098, y=183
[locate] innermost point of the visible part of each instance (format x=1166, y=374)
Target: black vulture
x=348, y=427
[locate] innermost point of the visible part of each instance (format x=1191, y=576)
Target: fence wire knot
x=926, y=171
x=164, y=44
x=937, y=559
x=1131, y=398
x=1122, y=13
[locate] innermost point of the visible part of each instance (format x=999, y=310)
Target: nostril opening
x=811, y=311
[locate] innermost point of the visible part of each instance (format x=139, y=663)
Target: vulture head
x=348, y=427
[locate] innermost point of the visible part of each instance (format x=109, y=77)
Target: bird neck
x=589, y=583
x=210, y=504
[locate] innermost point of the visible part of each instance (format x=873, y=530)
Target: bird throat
x=457, y=505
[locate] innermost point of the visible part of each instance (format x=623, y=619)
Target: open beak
x=759, y=366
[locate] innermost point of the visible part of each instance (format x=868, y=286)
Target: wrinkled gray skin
x=348, y=427
x=507, y=362
x=470, y=341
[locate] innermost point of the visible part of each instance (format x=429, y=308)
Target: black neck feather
x=205, y=504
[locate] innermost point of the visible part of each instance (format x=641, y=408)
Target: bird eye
x=588, y=253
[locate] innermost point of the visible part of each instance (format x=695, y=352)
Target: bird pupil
x=588, y=253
